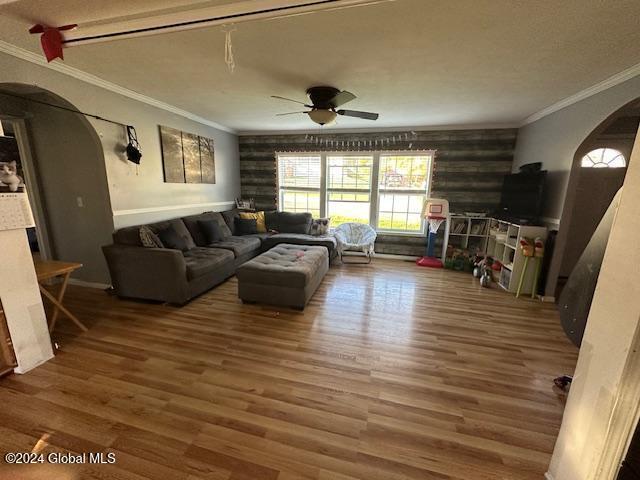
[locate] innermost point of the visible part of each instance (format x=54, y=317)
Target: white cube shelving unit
x=501, y=240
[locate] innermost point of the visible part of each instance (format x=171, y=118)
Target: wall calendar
x=15, y=211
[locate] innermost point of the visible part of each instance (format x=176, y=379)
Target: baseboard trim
x=548, y=476
x=391, y=256
x=83, y=283
x=547, y=298
x=138, y=211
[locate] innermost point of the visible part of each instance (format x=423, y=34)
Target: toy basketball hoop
x=435, y=211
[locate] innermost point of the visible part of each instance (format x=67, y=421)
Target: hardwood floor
x=392, y=372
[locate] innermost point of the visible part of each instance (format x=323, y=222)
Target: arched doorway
x=591, y=190
x=62, y=159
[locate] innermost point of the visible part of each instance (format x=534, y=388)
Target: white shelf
x=466, y=240
x=508, y=254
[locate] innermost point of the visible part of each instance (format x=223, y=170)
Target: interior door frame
x=625, y=415
x=32, y=180
x=624, y=418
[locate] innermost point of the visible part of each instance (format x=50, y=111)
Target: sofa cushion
x=191, y=223
x=259, y=236
x=229, y=217
x=179, y=227
x=246, y=226
x=131, y=235
x=128, y=236
x=211, y=231
x=239, y=245
x=327, y=241
x=289, y=222
x=202, y=261
x=170, y=238
x=271, y=220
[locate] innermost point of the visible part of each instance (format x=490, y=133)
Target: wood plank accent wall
x=468, y=171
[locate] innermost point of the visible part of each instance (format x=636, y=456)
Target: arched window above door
x=604, y=158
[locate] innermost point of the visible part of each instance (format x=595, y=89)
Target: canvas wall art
x=207, y=160
x=187, y=157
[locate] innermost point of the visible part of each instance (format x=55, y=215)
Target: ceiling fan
x=325, y=103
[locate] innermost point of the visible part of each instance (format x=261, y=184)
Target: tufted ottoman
x=286, y=275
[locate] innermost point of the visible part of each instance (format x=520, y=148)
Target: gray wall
x=469, y=168
x=68, y=162
x=554, y=139
x=133, y=194
x=70, y=166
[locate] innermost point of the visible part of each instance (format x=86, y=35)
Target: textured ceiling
x=416, y=62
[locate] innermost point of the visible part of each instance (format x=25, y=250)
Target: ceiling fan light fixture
x=322, y=117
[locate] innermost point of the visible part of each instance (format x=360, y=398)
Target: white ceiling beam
x=193, y=18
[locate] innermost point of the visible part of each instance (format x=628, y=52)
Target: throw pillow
x=259, y=217
x=246, y=226
x=211, y=231
x=290, y=222
x=320, y=226
x=172, y=239
x=229, y=216
x=149, y=239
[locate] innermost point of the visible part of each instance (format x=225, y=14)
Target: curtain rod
x=97, y=117
x=196, y=22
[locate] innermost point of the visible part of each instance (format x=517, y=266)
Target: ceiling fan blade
x=291, y=100
x=288, y=113
x=357, y=114
x=341, y=98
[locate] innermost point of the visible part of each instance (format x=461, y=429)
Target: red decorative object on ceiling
x=51, y=39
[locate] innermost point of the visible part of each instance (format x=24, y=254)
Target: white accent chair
x=355, y=237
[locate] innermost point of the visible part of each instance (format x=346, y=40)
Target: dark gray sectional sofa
x=176, y=276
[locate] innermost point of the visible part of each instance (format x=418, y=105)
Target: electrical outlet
x=80, y=202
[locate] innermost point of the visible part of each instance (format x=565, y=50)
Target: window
x=299, y=183
x=604, y=158
x=349, y=189
x=402, y=188
x=383, y=189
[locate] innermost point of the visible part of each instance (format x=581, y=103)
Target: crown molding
x=65, y=69
x=612, y=81
x=319, y=131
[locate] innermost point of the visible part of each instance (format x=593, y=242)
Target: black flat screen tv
x=522, y=195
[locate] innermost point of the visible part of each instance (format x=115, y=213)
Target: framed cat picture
x=10, y=181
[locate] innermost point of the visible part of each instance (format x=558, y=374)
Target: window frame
x=408, y=192
x=374, y=192
x=598, y=165
x=282, y=188
x=355, y=191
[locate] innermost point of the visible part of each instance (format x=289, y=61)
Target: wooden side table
x=48, y=269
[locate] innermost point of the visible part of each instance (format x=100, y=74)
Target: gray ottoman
x=286, y=275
